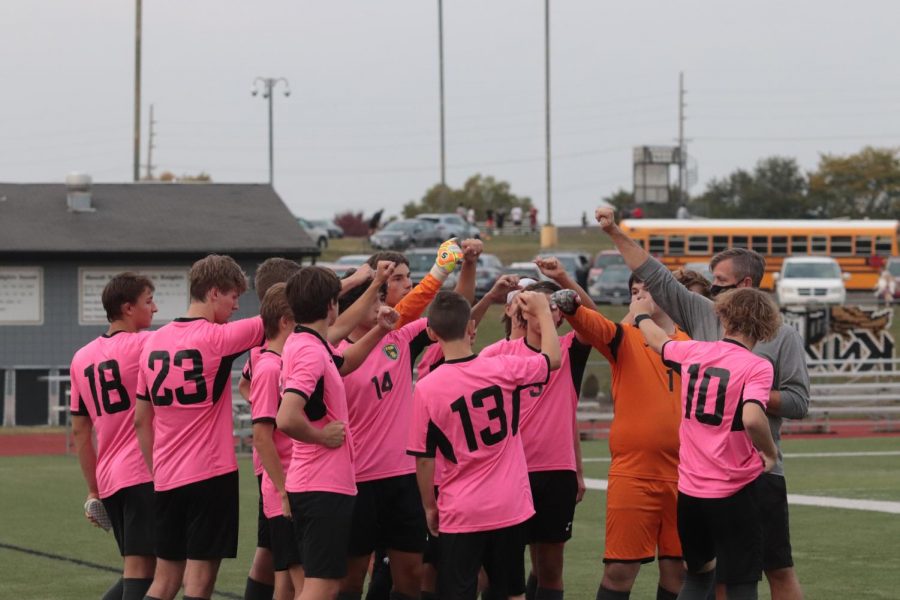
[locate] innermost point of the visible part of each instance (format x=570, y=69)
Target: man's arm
x=692, y=312
x=357, y=352
x=244, y=388
x=292, y=421
x=757, y=426
x=551, y=268
x=425, y=479
x=143, y=427
x=497, y=295
x=87, y=456
x=265, y=447
x=465, y=285
x=348, y=320
x=790, y=398
x=416, y=301
x=536, y=305
x=579, y=466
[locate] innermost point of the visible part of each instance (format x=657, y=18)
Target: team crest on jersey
x=391, y=351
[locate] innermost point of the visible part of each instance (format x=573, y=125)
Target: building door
x=32, y=389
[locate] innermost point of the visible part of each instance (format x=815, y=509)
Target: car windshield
x=894, y=268
x=611, y=276
x=353, y=260
x=405, y=226
x=489, y=260
x=812, y=270
x=420, y=261
x=605, y=260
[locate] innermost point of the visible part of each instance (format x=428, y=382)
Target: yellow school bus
x=860, y=247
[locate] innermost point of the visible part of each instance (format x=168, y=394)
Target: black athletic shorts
x=322, y=531
x=285, y=549
x=388, y=513
x=553, y=494
x=727, y=529
x=501, y=552
x=133, y=521
x=771, y=493
x=263, y=536
x=432, y=553
x=198, y=521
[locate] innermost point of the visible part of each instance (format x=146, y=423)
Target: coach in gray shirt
x=734, y=268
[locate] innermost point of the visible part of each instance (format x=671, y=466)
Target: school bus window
x=779, y=245
x=698, y=244
x=841, y=245
x=862, y=245
x=761, y=244
x=676, y=244
x=819, y=244
x=739, y=241
x=657, y=244
x=799, y=244
x=720, y=242
x=883, y=245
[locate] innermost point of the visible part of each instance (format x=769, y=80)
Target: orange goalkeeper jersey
x=643, y=437
x=413, y=304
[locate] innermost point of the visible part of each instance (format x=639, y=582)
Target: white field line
x=798, y=455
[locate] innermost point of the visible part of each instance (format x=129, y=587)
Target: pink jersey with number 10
x=186, y=373
x=716, y=457
x=104, y=381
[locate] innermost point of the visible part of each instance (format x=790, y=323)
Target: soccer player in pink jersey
x=272, y=445
x=550, y=438
x=104, y=376
x=726, y=443
x=468, y=408
x=184, y=425
x=320, y=481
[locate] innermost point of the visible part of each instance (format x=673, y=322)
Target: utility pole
x=151, y=132
x=137, y=91
x=268, y=86
x=441, y=79
x=682, y=151
x=547, y=103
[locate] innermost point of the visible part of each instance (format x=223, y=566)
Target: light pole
x=268, y=86
x=548, y=231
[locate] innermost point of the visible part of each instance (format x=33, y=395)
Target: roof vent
x=78, y=192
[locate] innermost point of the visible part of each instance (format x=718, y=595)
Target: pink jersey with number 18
x=716, y=457
x=104, y=377
x=469, y=410
x=186, y=374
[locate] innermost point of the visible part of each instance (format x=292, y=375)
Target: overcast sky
x=360, y=130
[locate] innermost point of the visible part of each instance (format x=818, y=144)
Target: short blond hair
x=748, y=312
x=216, y=271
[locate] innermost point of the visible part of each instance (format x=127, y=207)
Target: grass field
x=839, y=553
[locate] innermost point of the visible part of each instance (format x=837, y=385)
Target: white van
x=810, y=280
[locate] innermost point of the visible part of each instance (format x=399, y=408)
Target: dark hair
x=398, y=258
x=355, y=293
x=749, y=312
x=124, y=288
x=689, y=278
x=633, y=279
x=547, y=287
x=449, y=316
x=747, y=263
x=216, y=271
x=274, y=306
x=310, y=291
x=271, y=271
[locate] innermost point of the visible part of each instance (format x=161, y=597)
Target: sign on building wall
x=171, y=294
x=21, y=296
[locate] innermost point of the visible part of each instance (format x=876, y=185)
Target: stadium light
x=267, y=85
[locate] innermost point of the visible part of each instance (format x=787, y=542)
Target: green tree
x=776, y=189
x=478, y=192
x=865, y=184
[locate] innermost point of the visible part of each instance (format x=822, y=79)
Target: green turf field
x=840, y=553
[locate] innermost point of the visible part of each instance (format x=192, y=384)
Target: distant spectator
x=584, y=222
x=516, y=216
x=693, y=281
x=375, y=221
x=501, y=217
x=461, y=210
x=489, y=220
x=470, y=216
x=886, y=287
x=532, y=218
x=682, y=213
x=637, y=213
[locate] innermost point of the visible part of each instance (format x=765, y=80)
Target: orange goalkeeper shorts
x=641, y=520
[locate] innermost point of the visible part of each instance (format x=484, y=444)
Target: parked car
x=451, y=225
x=318, y=234
x=611, y=287
x=526, y=269
x=490, y=268
x=576, y=264
x=352, y=260
x=406, y=233
x=604, y=258
x=810, y=280
x=420, y=262
x=700, y=267
x=334, y=230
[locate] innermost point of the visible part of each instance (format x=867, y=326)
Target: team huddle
x=380, y=433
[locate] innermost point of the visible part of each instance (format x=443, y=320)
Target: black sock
x=114, y=592
x=429, y=596
x=664, y=594
x=698, y=585
x=548, y=594
x=349, y=596
x=134, y=589
x=742, y=591
x=395, y=595
x=531, y=587
x=608, y=594
x=257, y=590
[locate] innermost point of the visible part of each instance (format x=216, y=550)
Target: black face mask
x=715, y=290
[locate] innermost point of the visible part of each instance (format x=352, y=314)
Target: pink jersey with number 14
x=716, y=457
